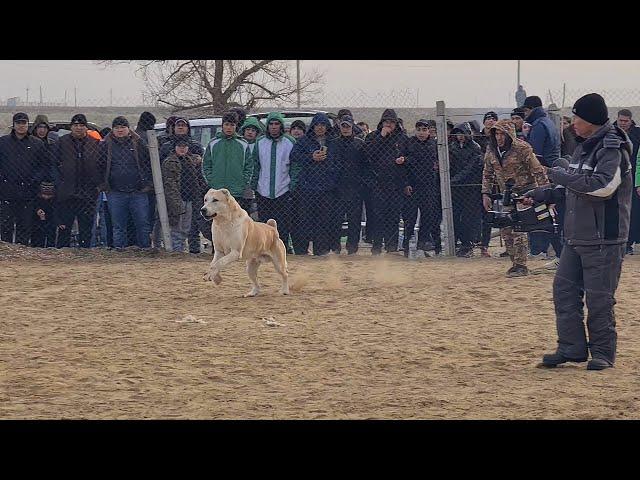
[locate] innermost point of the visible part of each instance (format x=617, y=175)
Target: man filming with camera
x=510, y=161
x=598, y=186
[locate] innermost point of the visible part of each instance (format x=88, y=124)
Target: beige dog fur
x=237, y=237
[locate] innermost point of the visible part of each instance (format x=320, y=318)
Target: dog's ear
x=225, y=192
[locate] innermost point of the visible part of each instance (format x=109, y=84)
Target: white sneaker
x=553, y=264
x=539, y=256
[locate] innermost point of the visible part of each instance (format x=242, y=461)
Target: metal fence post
x=158, y=186
x=449, y=239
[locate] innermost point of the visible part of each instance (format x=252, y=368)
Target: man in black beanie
x=597, y=189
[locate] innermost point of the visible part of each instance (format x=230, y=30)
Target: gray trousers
x=590, y=272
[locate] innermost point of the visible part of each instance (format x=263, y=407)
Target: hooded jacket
x=314, y=176
x=381, y=154
x=634, y=136
x=543, y=137
x=274, y=174
x=252, y=122
x=515, y=162
x=183, y=181
x=227, y=164
x=422, y=164
x=465, y=160
x=24, y=163
x=168, y=147
x=347, y=154
x=52, y=137
x=598, y=189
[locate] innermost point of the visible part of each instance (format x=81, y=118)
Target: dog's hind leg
x=252, y=271
x=280, y=264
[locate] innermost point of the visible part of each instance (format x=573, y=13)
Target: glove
x=539, y=194
x=562, y=162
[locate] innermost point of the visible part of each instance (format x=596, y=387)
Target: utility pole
x=65, y=98
x=75, y=96
x=27, y=96
x=40, y=95
x=298, y=80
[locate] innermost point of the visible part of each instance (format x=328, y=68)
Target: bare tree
x=216, y=85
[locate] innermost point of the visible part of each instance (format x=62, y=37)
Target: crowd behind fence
x=333, y=183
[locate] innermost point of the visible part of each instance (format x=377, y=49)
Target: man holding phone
x=316, y=184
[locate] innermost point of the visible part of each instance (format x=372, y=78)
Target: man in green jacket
x=227, y=161
x=274, y=177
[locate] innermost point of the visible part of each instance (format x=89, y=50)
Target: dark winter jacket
x=465, y=160
x=634, y=136
x=24, y=163
x=543, y=137
x=168, y=146
x=77, y=163
x=183, y=181
x=598, y=189
x=381, y=154
x=314, y=176
x=124, y=164
x=569, y=141
x=347, y=154
x=482, y=139
x=422, y=164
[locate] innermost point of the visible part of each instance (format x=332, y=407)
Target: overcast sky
x=460, y=83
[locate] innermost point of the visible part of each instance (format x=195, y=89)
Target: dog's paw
x=284, y=292
x=252, y=293
x=206, y=277
x=217, y=279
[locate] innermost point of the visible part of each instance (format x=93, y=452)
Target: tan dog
x=237, y=237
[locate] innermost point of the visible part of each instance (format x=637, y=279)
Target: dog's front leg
x=211, y=274
x=219, y=264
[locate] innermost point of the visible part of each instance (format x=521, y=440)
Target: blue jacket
x=543, y=137
x=314, y=176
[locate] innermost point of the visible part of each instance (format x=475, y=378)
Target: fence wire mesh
x=362, y=180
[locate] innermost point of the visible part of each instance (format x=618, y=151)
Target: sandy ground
x=102, y=335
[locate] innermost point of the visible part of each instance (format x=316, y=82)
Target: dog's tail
x=273, y=223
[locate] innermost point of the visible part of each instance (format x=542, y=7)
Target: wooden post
x=158, y=186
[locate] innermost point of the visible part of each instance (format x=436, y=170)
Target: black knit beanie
x=592, y=109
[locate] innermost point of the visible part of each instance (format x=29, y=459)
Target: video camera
x=539, y=217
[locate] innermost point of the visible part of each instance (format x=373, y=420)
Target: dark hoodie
x=146, y=122
x=465, y=161
x=422, y=164
x=381, y=154
x=314, y=176
x=169, y=146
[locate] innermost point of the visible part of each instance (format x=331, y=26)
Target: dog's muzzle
x=203, y=212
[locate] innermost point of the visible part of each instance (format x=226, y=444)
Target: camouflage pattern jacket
x=517, y=163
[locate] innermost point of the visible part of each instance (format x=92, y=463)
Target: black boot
x=552, y=360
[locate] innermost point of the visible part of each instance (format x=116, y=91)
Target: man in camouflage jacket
x=510, y=159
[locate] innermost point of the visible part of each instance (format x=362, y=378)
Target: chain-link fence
x=362, y=180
